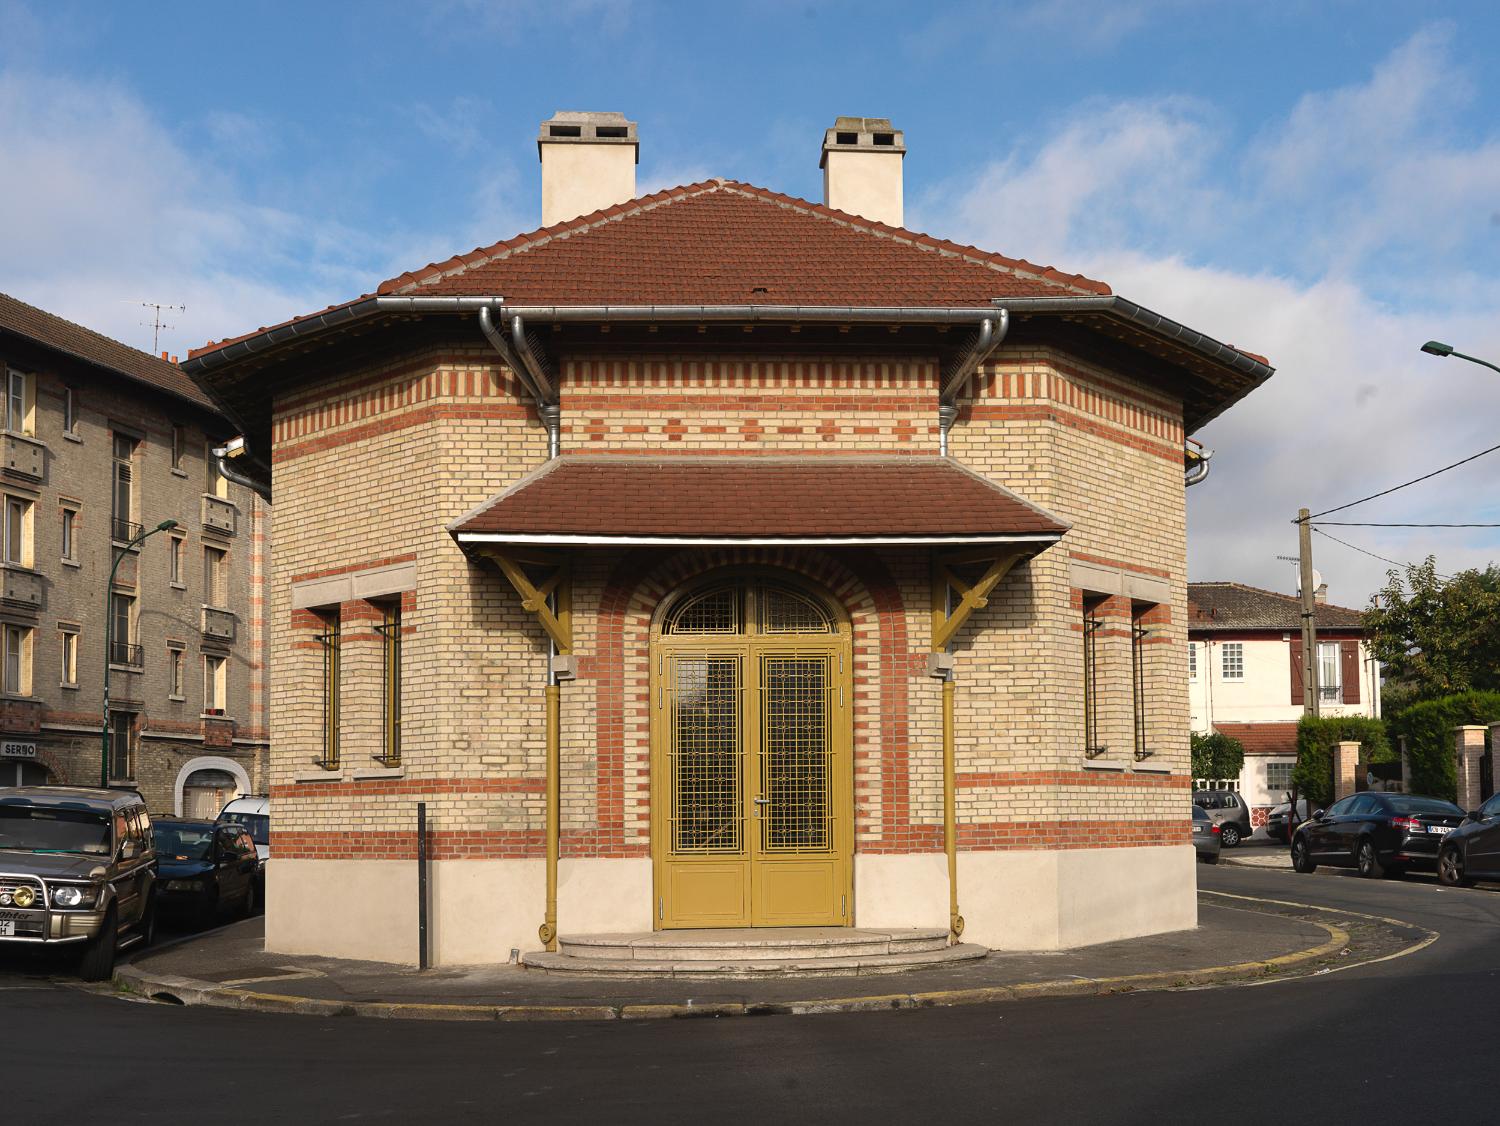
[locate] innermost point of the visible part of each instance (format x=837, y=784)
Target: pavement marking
x=291, y=975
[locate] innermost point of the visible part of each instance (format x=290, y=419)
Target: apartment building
x=102, y=444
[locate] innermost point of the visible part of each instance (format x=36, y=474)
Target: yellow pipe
x=950, y=819
x=548, y=930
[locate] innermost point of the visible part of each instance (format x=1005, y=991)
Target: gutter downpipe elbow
x=992, y=331
x=221, y=460
x=502, y=346
x=1199, y=472
x=548, y=408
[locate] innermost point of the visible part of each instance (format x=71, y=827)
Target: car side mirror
x=1475, y=815
x=1317, y=815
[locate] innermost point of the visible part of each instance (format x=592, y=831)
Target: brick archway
x=883, y=663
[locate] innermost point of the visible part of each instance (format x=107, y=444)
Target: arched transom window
x=740, y=607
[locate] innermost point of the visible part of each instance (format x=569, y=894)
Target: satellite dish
x=1317, y=578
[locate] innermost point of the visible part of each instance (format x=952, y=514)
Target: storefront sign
x=17, y=750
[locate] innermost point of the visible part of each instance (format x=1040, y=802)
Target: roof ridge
x=93, y=332
x=1292, y=598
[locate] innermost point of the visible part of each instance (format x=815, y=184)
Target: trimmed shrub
x=1428, y=729
x=1217, y=756
x=1316, y=740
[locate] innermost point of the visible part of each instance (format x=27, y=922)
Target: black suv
x=77, y=869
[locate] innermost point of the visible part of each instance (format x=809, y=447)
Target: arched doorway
x=205, y=792
x=752, y=788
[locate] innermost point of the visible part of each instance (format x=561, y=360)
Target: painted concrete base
x=603, y=896
x=901, y=891
x=1075, y=897
x=367, y=909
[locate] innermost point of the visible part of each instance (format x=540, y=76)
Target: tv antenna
x=157, y=324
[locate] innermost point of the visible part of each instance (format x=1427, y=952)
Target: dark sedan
x=1376, y=833
x=205, y=870
x=1472, y=851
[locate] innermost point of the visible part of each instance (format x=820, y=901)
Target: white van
x=255, y=815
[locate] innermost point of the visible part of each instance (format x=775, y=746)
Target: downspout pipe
x=501, y=345
x=519, y=357
x=992, y=331
x=1198, y=471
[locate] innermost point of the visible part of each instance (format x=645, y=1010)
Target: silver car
x=1206, y=834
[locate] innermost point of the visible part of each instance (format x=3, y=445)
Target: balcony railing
x=1330, y=693
x=124, y=530
x=126, y=654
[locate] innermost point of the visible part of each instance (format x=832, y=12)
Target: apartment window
x=1091, y=626
x=125, y=528
x=18, y=660
x=18, y=398
x=390, y=633
x=174, y=559
x=1232, y=660
x=122, y=649
x=1278, y=778
x=329, y=639
x=179, y=442
x=1138, y=637
x=1192, y=660
x=1330, y=687
x=215, y=565
x=121, y=745
x=70, y=411
x=18, y=531
x=68, y=641
x=175, y=658
x=69, y=534
x=215, y=688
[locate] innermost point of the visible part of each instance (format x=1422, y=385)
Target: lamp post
x=109, y=622
x=1438, y=348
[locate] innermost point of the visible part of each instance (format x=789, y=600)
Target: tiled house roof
x=747, y=498
x=1262, y=738
x=1235, y=606
x=84, y=344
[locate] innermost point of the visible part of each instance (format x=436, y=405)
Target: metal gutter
x=567, y=540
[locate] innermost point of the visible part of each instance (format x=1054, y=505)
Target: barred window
x=1232, y=660
x=1091, y=626
x=390, y=633
x=1138, y=636
x=329, y=639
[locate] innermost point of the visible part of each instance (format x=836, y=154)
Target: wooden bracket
x=549, y=596
x=955, y=597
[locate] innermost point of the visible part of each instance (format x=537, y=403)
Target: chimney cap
x=862, y=134
x=588, y=127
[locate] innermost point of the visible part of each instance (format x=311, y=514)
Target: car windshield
x=29, y=828
x=183, y=842
x=1409, y=805
x=258, y=825
x=1200, y=814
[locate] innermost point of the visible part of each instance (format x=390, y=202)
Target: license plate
x=7, y=929
x=1440, y=829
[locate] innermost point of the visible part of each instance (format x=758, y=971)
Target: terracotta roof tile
x=1235, y=606
x=728, y=498
x=1262, y=738
x=85, y=344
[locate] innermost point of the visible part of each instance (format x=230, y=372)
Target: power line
x=1397, y=488
x=1359, y=524
x=1371, y=554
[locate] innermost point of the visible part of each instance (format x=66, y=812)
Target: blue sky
x=1319, y=182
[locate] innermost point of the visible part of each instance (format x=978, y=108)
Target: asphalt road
x=1411, y=1038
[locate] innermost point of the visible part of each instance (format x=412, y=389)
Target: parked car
x=1228, y=811
x=1205, y=836
x=207, y=869
x=77, y=871
x=1472, y=851
x=254, y=814
x=1376, y=833
x=1276, y=819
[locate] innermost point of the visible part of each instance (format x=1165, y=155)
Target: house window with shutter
x=1330, y=683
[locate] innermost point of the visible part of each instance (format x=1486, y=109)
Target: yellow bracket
x=539, y=597
x=949, y=614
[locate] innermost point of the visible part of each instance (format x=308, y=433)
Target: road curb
x=188, y=991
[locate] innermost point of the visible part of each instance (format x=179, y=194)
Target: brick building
x=715, y=558
x=102, y=441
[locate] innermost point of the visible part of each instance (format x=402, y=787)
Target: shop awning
x=814, y=500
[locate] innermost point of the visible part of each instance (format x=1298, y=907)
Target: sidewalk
x=1237, y=939
x=1255, y=852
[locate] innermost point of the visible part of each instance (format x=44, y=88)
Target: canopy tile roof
x=627, y=499
x=52, y=331
x=1235, y=606
x=1262, y=738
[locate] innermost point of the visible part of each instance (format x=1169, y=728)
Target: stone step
x=844, y=966
x=763, y=944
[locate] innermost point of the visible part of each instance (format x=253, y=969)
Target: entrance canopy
x=825, y=501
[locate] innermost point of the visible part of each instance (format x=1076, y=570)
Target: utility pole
x=1310, y=694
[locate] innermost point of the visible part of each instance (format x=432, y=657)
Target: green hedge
x=1428, y=728
x=1316, y=739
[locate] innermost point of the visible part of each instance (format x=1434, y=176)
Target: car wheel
x=1451, y=869
x=146, y=928
x=1367, y=862
x=1229, y=834
x=1302, y=860
x=208, y=907
x=247, y=908
x=98, y=961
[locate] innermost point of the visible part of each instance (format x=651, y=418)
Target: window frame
x=115, y=733
x=1092, y=624
x=68, y=531
x=215, y=576
x=19, y=521
x=175, y=551
x=389, y=630
x=215, y=684
x=1330, y=689
x=19, y=420
x=179, y=445
x=1139, y=634
x=1237, y=648
x=128, y=642
x=16, y=639
x=122, y=473
x=176, y=661
x=330, y=640
x=68, y=655
x=70, y=412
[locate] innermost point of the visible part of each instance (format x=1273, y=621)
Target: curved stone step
x=831, y=966
x=766, y=944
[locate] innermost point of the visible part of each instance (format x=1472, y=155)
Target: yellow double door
x=752, y=783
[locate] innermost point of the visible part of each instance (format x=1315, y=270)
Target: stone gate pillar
x=1345, y=765
x=1468, y=745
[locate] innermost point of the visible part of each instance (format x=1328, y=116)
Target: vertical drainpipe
x=950, y=811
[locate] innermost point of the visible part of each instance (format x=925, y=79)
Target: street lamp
x=1438, y=348
x=109, y=622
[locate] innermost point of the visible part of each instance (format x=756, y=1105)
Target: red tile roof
x=720, y=499
x=85, y=344
x=1262, y=738
x=721, y=242
x=1235, y=606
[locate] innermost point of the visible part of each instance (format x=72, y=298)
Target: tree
x=1217, y=756
x=1437, y=637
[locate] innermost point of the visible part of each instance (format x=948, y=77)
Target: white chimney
x=588, y=163
x=862, y=168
